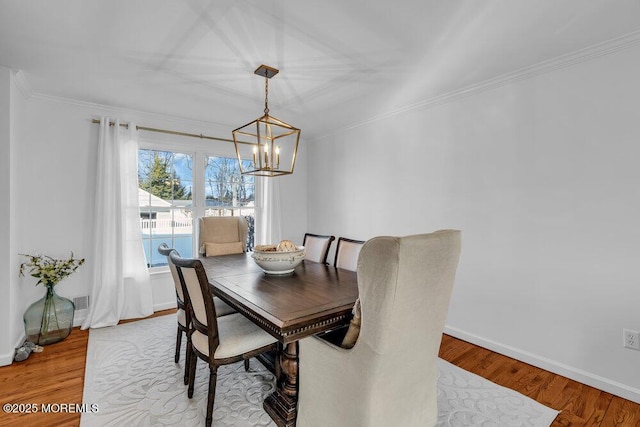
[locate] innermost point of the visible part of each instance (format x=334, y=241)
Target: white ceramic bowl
x=273, y=262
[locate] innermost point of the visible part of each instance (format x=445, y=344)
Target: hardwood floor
x=56, y=376
x=580, y=404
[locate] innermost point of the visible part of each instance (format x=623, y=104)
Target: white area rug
x=466, y=399
x=131, y=376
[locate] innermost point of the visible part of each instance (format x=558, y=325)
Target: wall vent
x=81, y=303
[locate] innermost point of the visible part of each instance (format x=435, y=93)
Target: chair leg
x=187, y=362
x=246, y=365
x=178, y=344
x=193, y=360
x=211, y=397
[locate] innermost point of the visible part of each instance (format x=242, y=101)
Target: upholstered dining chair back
x=165, y=250
x=222, y=309
x=390, y=376
x=222, y=235
x=198, y=294
x=347, y=252
x=316, y=247
x=181, y=312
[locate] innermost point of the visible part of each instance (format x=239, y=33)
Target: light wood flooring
x=57, y=375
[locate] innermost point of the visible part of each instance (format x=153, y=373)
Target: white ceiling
x=340, y=61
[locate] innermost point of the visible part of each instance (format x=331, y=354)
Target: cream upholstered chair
x=216, y=340
x=389, y=378
x=222, y=235
x=347, y=252
x=222, y=308
x=316, y=247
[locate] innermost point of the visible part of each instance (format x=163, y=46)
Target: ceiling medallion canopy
x=267, y=146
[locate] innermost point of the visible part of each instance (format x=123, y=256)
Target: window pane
x=165, y=174
x=227, y=192
x=165, y=192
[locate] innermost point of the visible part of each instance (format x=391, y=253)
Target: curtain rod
x=172, y=132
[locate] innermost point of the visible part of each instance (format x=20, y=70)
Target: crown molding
x=564, y=61
x=22, y=83
x=125, y=113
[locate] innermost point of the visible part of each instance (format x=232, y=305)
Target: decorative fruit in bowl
x=278, y=259
x=286, y=246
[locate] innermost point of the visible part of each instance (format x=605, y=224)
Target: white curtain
x=268, y=227
x=121, y=288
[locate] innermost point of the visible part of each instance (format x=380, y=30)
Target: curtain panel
x=268, y=227
x=121, y=287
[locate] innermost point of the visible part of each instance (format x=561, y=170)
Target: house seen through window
x=170, y=198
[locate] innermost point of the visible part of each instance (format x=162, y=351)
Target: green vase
x=49, y=319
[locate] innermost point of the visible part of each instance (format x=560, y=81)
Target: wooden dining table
x=315, y=298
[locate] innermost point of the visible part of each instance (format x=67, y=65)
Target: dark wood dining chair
x=216, y=340
x=222, y=308
x=316, y=247
x=347, y=252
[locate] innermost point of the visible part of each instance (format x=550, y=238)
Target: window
x=228, y=193
x=170, y=197
x=165, y=192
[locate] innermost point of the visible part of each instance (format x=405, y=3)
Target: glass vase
x=49, y=319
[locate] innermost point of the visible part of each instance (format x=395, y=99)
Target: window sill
x=158, y=271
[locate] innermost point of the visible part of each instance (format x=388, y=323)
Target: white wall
x=16, y=328
x=293, y=190
x=541, y=175
x=54, y=185
x=11, y=334
x=6, y=283
x=54, y=195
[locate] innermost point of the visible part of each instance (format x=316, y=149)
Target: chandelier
x=270, y=145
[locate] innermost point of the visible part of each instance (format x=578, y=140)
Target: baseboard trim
x=7, y=359
x=164, y=306
x=79, y=316
x=621, y=390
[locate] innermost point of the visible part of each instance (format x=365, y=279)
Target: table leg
x=281, y=405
